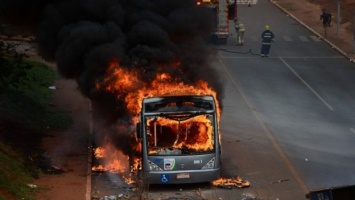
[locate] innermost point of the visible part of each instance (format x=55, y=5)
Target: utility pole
x=338, y=17
x=354, y=33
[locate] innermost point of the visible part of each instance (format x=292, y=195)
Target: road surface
x=288, y=120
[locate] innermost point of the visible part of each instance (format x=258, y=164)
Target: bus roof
x=177, y=98
x=179, y=103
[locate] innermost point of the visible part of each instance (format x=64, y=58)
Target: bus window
x=176, y=135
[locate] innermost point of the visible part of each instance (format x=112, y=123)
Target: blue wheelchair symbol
x=164, y=178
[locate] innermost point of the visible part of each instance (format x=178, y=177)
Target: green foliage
x=25, y=95
x=14, y=176
x=30, y=78
x=26, y=112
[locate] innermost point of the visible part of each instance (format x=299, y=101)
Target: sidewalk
x=308, y=14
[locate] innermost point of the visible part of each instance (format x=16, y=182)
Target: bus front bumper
x=182, y=177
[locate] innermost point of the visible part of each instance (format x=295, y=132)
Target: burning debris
x=113, y=161
x=229, y=183
x=116, y=166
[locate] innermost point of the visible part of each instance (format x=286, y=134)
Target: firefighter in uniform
x=240, y=33
x=267, y=37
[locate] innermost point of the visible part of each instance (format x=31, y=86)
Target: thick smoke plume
x=149, y=36
x=22, y=13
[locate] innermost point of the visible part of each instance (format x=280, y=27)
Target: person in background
x=236, y=25
x=326, y=17
x=240, y=33
x=267, y=37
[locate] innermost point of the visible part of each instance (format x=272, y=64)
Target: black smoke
x=22, y=13
x=83, y=36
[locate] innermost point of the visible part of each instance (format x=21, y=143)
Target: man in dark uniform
x=267, y=37
x=326, y=17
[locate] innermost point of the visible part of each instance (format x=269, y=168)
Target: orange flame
x=126, y=85
x=231, y=182
x=118, y=162
x=194, y=133
x=122, y=81
x=115, y=162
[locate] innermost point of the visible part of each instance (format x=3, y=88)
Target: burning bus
x=175, y=129
x=125, y=53
x=179, y=139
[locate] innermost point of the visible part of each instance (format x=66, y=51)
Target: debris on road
x=249, y=197
x=279, y=181
x=112, y=197
x=230, y=183
x=32, y=185
x=55, y=170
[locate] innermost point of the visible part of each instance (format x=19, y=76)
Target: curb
x=313, y=31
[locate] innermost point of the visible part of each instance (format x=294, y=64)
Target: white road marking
x=262, y=123
x=352, y=130
x=307, y=85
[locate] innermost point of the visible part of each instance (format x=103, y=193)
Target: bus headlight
x=154, y=167
x=210, y=164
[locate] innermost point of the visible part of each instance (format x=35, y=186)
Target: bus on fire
x=180, y=139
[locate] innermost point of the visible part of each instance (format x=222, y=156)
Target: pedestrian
x=267, y=37
x=240, y=33
x=329, y=18
x=326, y=17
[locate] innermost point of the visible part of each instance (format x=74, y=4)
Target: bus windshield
x=180, y=134
x=181, y=105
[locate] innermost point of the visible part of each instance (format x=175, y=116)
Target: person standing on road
x=236, y=26
x=240, y=33
x=267, y=37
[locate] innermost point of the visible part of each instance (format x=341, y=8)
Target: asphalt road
x=288, y=123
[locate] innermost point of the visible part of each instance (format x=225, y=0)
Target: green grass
x=25, y=93
x=26, y=114
x=14, y=176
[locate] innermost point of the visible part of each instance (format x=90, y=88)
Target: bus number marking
x=197, y=161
